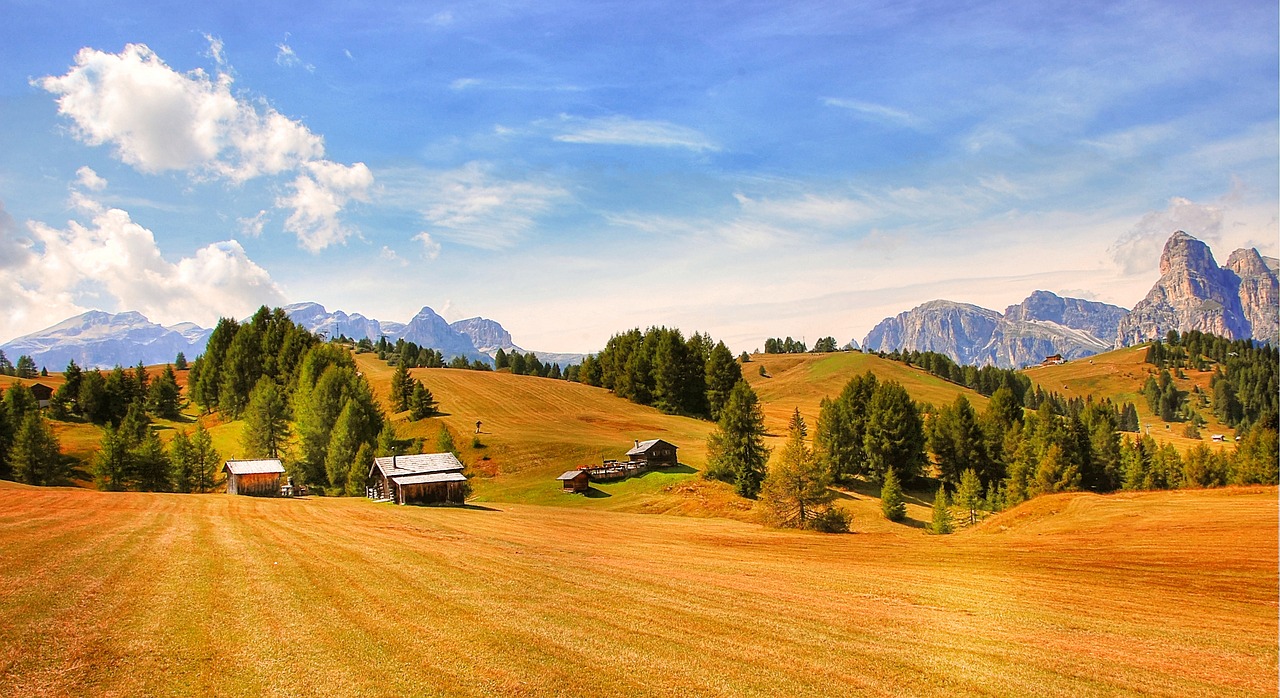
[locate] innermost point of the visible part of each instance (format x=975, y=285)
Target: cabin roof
x=253, y=467
x=417, y=464
x=426, y=478
x=644, y=446
x=571, y=474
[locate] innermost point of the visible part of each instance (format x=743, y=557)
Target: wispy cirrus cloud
x=158, y=120
x=471, y=205
x=879, y=113
x=622, y=130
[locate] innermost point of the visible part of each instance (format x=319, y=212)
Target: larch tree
x=941, y=523
x=113, y=466
x=723, y=372
x=891, y=502
x=36, y=457
x=204, y=461
x=957, y=441
x=358, y=473
x=151, y=467
x=796, y=490
x=969, y=494
x=180, y=459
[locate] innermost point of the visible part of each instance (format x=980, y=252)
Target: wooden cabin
x=424, y=478
x=259, y=478
x=575, y=481
x=42, y=393
x=654, y=453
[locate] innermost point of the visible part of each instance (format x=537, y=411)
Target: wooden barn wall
x=258, y=484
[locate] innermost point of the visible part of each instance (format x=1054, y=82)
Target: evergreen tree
x=343, y=445
x=422, y=404
x=180, y=362
x=266, y=430
x=92, y=398
x=205, y=383
x=26, y=367
x=841, y=430
x=20, y=402
x=500, y=359
x=7, y=429
x=182, y=462
x=113, y=466
x=135, y=426
x=957, y=441
x=151, y=466
x=891, y=502
x=735, y=450
x=386, y=445
x=205, y=462
x=1055, y=473
x=894, y=433
x=722, y=374
x=6, y=368
x=358, y=474
x=445, y=443
x=163, y=396
x=941, y=524
x=1256, y=456
x=241, y=369
x=796, y=490
x=35, y=457
x=969, y=494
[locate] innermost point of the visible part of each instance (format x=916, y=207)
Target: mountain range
x=1238, y=300
x=98, y=339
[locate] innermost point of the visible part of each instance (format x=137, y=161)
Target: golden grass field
x=130, y=594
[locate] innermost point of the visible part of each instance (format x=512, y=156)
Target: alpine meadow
x=657, y=349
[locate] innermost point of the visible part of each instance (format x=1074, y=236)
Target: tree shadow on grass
x=477, y=507
x=593, y=493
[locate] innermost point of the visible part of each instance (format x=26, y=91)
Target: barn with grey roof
x=424, y=478
x=259, y=478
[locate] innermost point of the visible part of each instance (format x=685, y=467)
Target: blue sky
x=576, y=169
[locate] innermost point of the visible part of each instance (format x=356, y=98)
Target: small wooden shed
x=42, y=393
x=424, y=478
x=575, y=481
x=259, y=478
x=655, y=453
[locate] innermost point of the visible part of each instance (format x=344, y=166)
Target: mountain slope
x=98, y=339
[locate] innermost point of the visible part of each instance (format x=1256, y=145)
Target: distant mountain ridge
x=1239, y=300
x=99, y=339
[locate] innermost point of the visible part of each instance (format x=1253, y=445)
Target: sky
x=576, y=169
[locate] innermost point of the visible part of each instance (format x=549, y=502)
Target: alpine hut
x=425, y=478
x=575, y=481
x=260, y=478
x=654, y=453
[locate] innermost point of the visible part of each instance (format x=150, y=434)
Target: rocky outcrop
x=487, y=335
x=1193, y=293
x=958, y=330
x=1042, y=325
x=1259, y=295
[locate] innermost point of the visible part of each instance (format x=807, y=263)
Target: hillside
x=1119, y=375
x=152, y=594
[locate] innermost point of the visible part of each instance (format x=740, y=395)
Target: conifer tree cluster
x=659, y=367
x=107, y=399
x=1246, y=376
x=25, y=368
x=871, y=427
x=238, y=355
x=528, y=364
x=409, y=394
x=29, y=450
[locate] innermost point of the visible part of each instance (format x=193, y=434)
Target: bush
x=832, y=520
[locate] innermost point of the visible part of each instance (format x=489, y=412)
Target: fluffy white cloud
x=430, y=248
x=113, y=263
x=87, y=178
x=158, y=119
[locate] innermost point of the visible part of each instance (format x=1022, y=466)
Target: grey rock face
x=98, y=339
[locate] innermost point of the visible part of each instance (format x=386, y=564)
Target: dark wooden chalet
x=260, y=478
x=42, y=393
x=425, y=478
x=575, y=481
x=654, y=453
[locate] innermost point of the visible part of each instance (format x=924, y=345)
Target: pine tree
x=358, y=473
x=954, y=437
x=19, y=402
x=895, y=435
x=445, y=443
x=266, y=431
x=181, y=461
x=7, y=429
x=891, y=503
x=969, y=494
x=36, y=457
x=151, y=466
x=386, y=445
x=735, y=450
x=180, y=362
x=401, y=388
x=204, y=461
x=343, y=446
x=723, y=372
x=841, y=430
x=941, y=513
x=422, y=404
x=113, y=466
x=135, y=426
x=163, y=396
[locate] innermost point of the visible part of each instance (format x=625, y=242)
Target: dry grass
x=1170, y=593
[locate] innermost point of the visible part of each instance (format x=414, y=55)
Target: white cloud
x=252, y=226
x=87, y=178
x=1138, y=250
x=875, y=112
x=621, y=130
x=216, y=51
x=286, y=57
x=387, y=254
x=471, y=205
x=158, y=120
x=430, y=248
x=113, y=263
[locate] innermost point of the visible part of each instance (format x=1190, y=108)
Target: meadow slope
x=1166, y=593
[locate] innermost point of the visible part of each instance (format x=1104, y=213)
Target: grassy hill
x=533, y=429
x=1119, y=375
x=1163, y=593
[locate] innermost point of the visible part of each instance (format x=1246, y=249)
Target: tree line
x=25, y=368
x=1245, y=386
x=410, y=355
x=659, y=367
